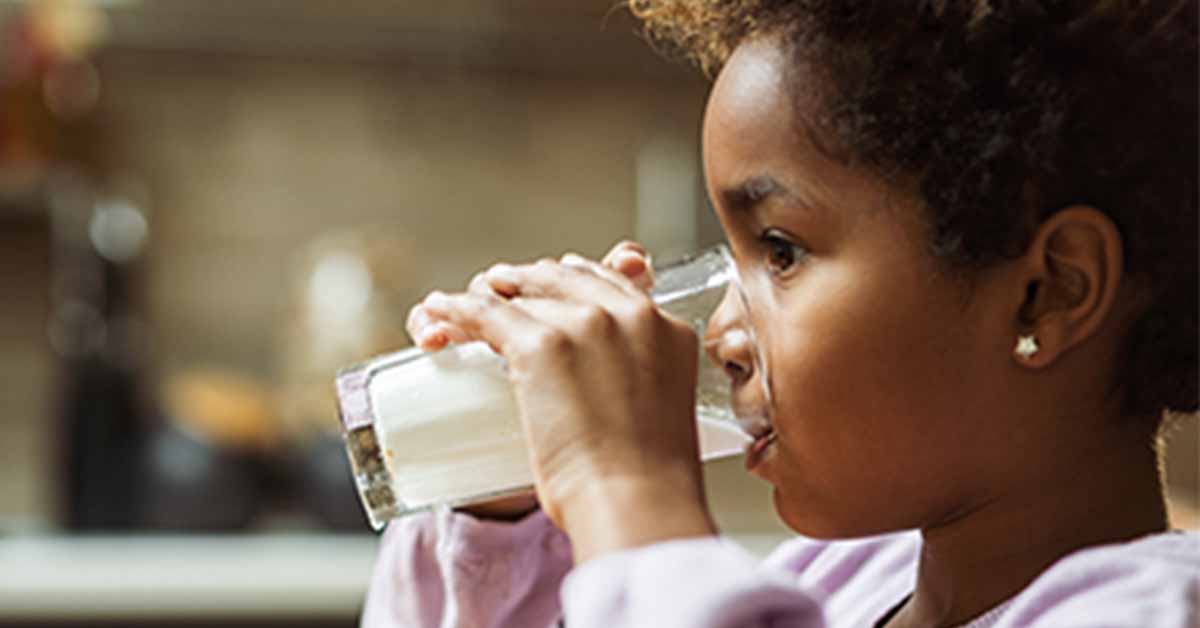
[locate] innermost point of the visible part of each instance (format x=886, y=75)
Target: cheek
x=865, y=397
x=848, y=338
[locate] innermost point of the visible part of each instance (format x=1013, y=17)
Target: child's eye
x=782, y=253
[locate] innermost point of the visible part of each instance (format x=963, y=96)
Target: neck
x=1081, y=496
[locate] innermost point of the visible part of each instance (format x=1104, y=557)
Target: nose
x=727, y=340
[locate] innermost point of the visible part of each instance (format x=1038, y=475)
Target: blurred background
x=207, y=207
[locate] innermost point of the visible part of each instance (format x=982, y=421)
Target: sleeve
x=694, y=583
x=449, y=570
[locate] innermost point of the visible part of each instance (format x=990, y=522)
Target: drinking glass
x=441, y=429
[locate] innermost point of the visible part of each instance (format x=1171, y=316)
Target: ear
x=1071, y=276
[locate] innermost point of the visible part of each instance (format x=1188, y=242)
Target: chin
x=814, y=523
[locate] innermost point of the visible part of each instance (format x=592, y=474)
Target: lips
x=756, y=450
x=762, y=434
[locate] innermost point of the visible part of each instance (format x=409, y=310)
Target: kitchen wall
x=247, y=160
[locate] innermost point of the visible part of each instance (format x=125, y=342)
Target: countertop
x=157, y=576
x=249, y=576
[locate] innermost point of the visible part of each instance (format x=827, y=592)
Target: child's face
x=883, y=370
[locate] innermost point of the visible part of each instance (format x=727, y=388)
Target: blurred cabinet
x=26, y=365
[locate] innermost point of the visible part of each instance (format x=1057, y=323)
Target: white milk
x=449, y=430
x=448, y=427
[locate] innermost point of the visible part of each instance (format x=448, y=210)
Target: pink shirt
x=447, y=569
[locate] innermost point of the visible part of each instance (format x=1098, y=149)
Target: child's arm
x=695, y=583
x=451, y=569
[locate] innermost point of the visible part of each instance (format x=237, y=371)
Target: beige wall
x=247, y=160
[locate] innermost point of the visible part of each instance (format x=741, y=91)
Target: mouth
x=757, y=449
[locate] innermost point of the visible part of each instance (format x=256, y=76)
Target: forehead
x=753, y=130
x=753, y=82
x=754, y=123
x=756, y=126
x=750, y=109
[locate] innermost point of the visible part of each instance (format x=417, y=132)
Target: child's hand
x=627, y=258
x=605, y=383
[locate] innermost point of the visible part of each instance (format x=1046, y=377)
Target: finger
x=633, y=261
x=429, y=334
x=522, y=328
x=433, y=335
x=581, y=320
x=491, y=319
x=576, y=282
x=586, y=323
x=574, y=260
x=495, y=280
x=624, y=247
x=417, y=323
x=440, y=334
x=637, y=268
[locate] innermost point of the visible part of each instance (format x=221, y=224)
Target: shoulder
x=1152, y=581
x=858, y=579
x=838, y=560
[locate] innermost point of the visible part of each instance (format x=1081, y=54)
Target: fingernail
x=453, y=334
x=630, y=258
x=574, y=259
x=502, y=272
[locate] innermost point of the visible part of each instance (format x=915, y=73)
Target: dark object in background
x=96, y=333
x=49, y=165
x=192, y=485
x=325, y=485
x=209, y=465
x=102, y=442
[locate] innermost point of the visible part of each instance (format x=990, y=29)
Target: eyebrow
x=752, y=192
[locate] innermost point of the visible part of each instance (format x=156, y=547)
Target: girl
x=967, y=233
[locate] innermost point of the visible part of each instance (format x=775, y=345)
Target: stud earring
x=1027, y=346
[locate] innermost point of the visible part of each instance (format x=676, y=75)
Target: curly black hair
x=1005, y=111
